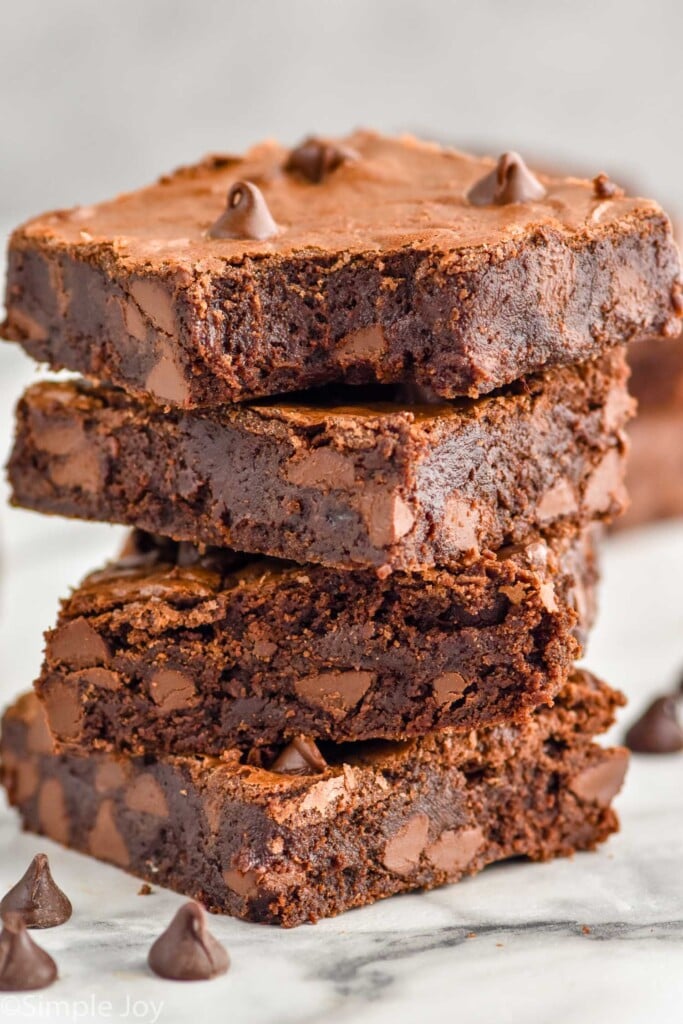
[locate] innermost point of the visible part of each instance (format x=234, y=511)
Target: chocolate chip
x=510, y=181
x=601, y=782
x=604, y=187
x=300, y=757
x=187, y=951
x=315, y=158
x=78, y=645
x=403, y=851
x=24, y=966
x=145, y=889
x=37, y=897
x=246, y=215
x=658, y=730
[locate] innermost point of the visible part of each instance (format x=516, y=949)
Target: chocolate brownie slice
x=329, y=480
x=314, y=832
x=171, y=649
x=654, y=469
x=373, y=259
x=657, y=373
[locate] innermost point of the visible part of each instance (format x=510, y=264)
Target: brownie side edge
x=460, y=323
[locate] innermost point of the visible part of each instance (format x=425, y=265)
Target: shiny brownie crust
x=382, y=271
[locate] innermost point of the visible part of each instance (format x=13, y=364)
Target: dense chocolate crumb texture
x=362, y=259
x=285, y=847
x=187, y=951
x=37, y=897
x=331, y=480
x=24, y=966
x=178, y=649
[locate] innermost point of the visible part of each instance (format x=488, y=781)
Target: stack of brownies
x=335, y=660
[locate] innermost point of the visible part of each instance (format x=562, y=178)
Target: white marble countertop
x=407, y=959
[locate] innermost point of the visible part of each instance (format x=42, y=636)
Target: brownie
x=177, y=650
x=319, y=831
x=657, y=373
x=654, y=468
x=369, y=259
x=326, y=479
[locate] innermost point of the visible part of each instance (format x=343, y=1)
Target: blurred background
x=99, y=98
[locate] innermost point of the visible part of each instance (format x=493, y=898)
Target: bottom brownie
x=321, y=831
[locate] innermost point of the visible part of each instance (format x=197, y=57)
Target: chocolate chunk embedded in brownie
x=263, y=274
x=173, y=650
x=318, y=837
x=328, y=479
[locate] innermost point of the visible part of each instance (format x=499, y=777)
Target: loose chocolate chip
x=604, y=187
x=246, y=215
x=658, y=730
x=24, y=966
x=314, y=158
x=37, y=898
x=187, y=951
x=145, y=889
x=300, y=757
x=510, y=181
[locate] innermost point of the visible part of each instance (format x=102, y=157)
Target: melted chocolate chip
x=246, y=215
x=510, y=181
x=314, y=159
x=37, y=898
x=658, y=730
x=187, y=951
x=24, y=966
x=604, y=187
x=300, y=757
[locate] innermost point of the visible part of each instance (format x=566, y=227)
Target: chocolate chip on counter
x=145, y=889
x=604, y=187
x=37, y=898
x=24, y=966
x=315, y=158
x=510, y=181
x=246, y=215
x=658, y=730
x=187, y=951
x=300, y=757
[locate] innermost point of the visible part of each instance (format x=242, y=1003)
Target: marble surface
x=596, y=938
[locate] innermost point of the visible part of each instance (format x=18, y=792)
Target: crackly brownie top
x=363, y=193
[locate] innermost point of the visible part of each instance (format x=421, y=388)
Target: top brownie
x=368, y=259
